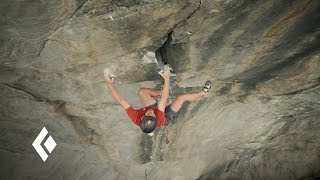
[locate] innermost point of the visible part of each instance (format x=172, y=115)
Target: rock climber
x=155, y=115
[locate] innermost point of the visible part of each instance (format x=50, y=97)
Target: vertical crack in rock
x=161, y=137
x=200, y=2
x=232, y=165
x=71, y=16
x=303, y=90
x=145, y=174
x=161, y=53
x=42, y=47
x=9, y=150
x=35, y=96
x=81, y=127
x=146, y=149
x=81, y=4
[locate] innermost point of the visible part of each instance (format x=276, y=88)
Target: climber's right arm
x=116, y=94
x=165, y=92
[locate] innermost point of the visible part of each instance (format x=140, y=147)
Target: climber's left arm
x=116, y=94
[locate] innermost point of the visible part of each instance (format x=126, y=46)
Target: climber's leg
x=176, y=105
x=146, y=96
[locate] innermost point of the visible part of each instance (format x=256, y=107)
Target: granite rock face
x=259, y=121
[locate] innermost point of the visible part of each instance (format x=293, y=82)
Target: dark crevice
x=81, y=4
x=161, y=53
x=200, y=2
x=42, y=46
x=11, y=49
x=145, y=174
x=212, y=174
x=232, y=165
x=301, y=90
x=263, y=76
x=146, y=144
x=35, y=96
x=161, y=138
x=80, y=125
x=9, y=150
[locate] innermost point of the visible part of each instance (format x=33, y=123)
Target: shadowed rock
x=259, y=121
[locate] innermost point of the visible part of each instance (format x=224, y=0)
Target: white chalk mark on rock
x=149, y=57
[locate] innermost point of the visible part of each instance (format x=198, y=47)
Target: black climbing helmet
x=148, y=124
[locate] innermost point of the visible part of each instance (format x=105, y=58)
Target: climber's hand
x=108, y=79
x=165, y=73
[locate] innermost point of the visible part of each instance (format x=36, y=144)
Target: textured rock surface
x=261, y=120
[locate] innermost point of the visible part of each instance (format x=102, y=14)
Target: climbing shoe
x=207, y=86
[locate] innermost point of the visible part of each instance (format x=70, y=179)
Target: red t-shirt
x=136, y=115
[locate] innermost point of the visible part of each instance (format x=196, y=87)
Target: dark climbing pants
x=169, y=113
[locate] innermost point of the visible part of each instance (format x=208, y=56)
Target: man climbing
x=155, y=115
